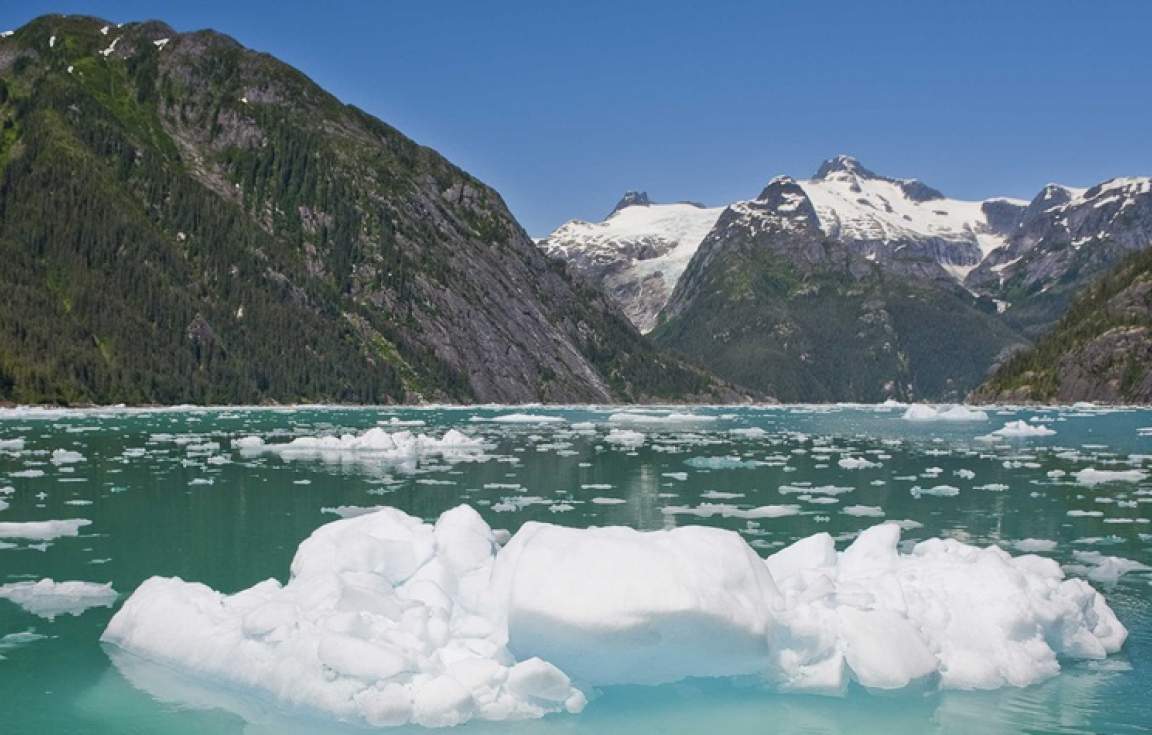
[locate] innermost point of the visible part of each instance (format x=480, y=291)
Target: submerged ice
x=388, y=620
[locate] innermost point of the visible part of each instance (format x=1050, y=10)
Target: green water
x=161, y=505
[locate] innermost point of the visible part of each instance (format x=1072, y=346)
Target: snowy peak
x=849, y=170
x=631, y=199
x=843, y=166
x=788, y=199
x=637, y=254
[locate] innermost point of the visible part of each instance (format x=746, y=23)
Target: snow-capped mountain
x=879, y=217
x=638, y=253
x=1060, y=242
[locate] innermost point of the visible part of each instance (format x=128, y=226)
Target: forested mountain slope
x=1100, y=351
x=183, y=219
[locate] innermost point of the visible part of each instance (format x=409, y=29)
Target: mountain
x=637, y=254
x=1059, y=243
x=844, y=307
x=1101, y=350
x=185, y=220
x=771, y=301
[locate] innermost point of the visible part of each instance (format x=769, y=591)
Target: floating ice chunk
x=11, y=445
x=856, y=463
x=1093, y=476
x=66, y=456
x=751, y=432
x=924, y=412
x=524, y=418
x=373, y=444
x=1034, y=545
x=387, y=620
x=707, y=510
x=1107, y=569
x=624, y=438
x=628, y=417
x=722, y=463
x=351, y=511
x=993, y=487
x=681, y=476
x=43, y=530
x=248, y=442
x=865, y=511
x=609, y=501
x=1023, y=429
x=24, y=637
x=943, y=491
x=48, y=598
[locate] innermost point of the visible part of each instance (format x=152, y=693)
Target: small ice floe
x=520, y=418
x=681, y=476
x=864, y=511
x=723, y=463
x=721, y=495
x=13, y=641
x=856, y=463
x=943, y=491
x=350, y=511
x=925, y=412
x=751, y=432
x=1093, y=476
x=707, y=510
x=12, y=445
x=43, y=530
x=964, y=474
x=629, y=417
x=992, y=487
x=1034, y=545
x=47, y=598
x=395, y=422
x=608, y=501
x=1101, y=568
x=1022, y=429
x=625, y=438
x=66, y=456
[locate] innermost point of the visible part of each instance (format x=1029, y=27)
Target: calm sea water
x=168, y=495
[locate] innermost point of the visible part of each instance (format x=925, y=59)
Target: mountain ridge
x=186, y=220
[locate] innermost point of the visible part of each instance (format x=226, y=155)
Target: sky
x=563, y=106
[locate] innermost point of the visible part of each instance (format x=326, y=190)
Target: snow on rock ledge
x=388, y=620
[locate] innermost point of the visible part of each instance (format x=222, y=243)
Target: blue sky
x=563, y=105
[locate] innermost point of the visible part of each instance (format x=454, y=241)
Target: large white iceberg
x=389, y=620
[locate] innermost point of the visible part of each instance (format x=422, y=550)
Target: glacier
x=387, y=619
